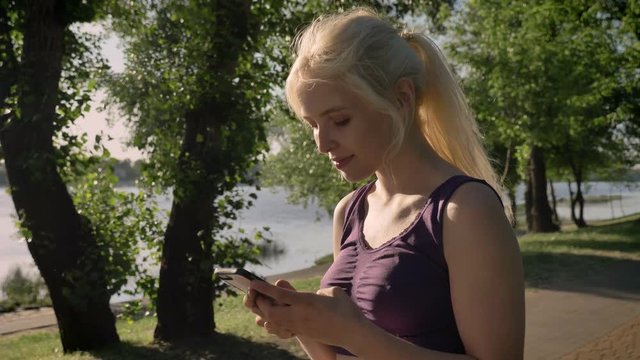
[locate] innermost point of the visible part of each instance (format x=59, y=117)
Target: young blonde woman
x=426, y=265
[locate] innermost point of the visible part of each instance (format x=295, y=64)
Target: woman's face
x=345, y=128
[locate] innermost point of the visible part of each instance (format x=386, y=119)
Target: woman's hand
x=250, y=301
x=328, y=316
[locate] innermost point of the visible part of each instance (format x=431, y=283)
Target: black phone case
x=237, y=277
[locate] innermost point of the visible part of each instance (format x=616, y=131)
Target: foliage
x=127, y=227
x=171, y=70
x=196, y=93
x=21, y=290
x=549, y=74
x=555, y=77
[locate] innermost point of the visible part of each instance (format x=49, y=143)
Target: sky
x=95, y=122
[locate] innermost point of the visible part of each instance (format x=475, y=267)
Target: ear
x=405, y=93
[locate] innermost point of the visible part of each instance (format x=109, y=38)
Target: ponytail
x=445, y=118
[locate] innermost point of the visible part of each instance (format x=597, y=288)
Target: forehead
x=315, y=98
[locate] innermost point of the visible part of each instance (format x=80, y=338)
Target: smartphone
x=238, y=278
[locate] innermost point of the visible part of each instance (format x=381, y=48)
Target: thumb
x=333, y=291
x=284, y=284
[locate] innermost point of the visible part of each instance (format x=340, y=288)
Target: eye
x=342, y=122
x=310, y=124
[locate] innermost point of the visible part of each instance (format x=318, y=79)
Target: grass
x=568, y=255
x=593, y=199
x=238, y=339
x=548, y=259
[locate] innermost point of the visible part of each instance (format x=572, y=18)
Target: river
x=305, y=233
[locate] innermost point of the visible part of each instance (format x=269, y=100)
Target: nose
x=324, y=139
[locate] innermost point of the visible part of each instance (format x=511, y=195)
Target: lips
x=340, y=163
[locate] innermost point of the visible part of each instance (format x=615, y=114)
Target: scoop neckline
x=362, y=243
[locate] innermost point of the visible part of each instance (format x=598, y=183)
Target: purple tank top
x=403, y=285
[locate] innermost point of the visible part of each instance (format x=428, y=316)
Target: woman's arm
x=486, y=274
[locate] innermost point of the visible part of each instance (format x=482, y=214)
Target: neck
x=415, y=169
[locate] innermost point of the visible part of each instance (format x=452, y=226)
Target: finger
x=278, y=331
x=250, y=302
x=284, y=284
x=333, y=291
x=285, y=334
x=245, y=300
x=250, y=298
x=263, y=305
x=283, y=296
x=260, y=321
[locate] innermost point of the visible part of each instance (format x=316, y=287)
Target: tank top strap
x=440, y=198
x=352, y=207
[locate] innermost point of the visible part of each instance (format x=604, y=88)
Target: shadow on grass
x=605, y=245
x=598, y=275
x=218, y=347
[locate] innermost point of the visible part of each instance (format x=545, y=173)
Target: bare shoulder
x=474, y=219
x=474, y=200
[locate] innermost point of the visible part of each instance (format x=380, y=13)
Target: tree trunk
x=554, y=202
x=579, y=199
x=185, y=295
x=528, y=202
x=572, y=200
x=540, y=212
x=60, y=239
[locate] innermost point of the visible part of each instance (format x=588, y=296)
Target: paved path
x=597, y=317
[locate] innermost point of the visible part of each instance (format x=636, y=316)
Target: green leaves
x=126, y=225
x=546, y=73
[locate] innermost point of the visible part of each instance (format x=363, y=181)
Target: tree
x=196, y=91
x=546, y=76
x=43, y=86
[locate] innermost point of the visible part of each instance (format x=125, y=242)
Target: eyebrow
x=328, y=111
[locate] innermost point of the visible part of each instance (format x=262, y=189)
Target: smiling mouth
x=341, y=163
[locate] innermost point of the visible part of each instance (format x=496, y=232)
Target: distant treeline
x=126, y=170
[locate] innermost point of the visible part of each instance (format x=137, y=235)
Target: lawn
x=570, y=255
x=548, y=259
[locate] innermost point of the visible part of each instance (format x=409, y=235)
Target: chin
x=353, y=177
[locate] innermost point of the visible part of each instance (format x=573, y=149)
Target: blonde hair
x=367, y=55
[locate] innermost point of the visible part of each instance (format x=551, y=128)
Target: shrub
x=23, y=291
